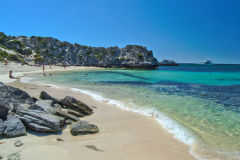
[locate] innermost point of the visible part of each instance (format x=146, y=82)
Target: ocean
x=198, y=104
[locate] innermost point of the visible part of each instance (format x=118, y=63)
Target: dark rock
x=41, y=121
x=2, y=127
x=1, y=157
x=14, y=97
x=76, y=105
x=18, y=143
x=14, y=127
x=45, y=96
x=82, y=128
x=4, y=108
x=93, y=147
x=60, y=139
x=77, y=114
x=68, y=122
x=66, y=116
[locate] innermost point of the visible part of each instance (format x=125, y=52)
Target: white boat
x=207, y=62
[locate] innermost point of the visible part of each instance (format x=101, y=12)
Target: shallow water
x=199, y=104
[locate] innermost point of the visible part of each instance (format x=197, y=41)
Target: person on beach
x=11, y=76
x=6, y=62
x=43, y=67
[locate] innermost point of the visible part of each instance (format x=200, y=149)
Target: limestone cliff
x=48, y=50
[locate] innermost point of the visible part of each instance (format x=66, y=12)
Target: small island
x=166, y=62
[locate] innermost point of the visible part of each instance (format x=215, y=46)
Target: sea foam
x=179, y=131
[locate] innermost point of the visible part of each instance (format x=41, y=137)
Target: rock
x=14, y=156
x=68, y=122
x=14, y=127
x=77, y=114
x=1, y=157
x=93, y=147
x=57, y=106
x=41, y=121
x=18, y=143
x=76, y=105
x=66, y=116
x=60, y=139
x=45, y=96
x=2, y=127
x=46, y=105
x=4, y=108
x=14, y=97
x=82, y=128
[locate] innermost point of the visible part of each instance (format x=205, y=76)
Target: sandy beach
x=123, y=135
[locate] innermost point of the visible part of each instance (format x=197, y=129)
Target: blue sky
x=183, y=30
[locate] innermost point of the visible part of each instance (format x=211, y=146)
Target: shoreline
x=167, y=148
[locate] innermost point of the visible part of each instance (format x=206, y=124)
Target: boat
x=207, y=62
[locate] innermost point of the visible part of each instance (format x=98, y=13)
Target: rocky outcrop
x=166, y=62
x=40, y=115
x=41, y=121
x=76, y=105
x=70, y=103
x=14, y=127
x=82, y=128
x=47, y=50
x=15, y=98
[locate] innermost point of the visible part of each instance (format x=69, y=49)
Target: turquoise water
x=201, y=103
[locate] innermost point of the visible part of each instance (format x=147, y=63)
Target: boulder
x=45, y=96
x=82, y=128
x=2, y=126
x=76, y=105
x=41, y=121
x=4, y=108
x=66, y=115
x=14, y=97
x=14, y=127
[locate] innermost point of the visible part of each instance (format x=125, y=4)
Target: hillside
x=48, y=50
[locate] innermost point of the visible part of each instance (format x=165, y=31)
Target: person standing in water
x=11, y=76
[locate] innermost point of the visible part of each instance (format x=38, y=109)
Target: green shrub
x=2, y=59
x=80, y=56
x=3, y=54
x=38, y=59
x=13, y=57
x=140, y=56
x=98, y=56
x=87, y=53
x=112, y=52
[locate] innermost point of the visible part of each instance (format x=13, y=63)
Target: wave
x=180, y=132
